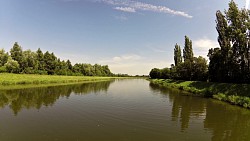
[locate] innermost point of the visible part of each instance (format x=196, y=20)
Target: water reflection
x=46, y=96
x=224, y=121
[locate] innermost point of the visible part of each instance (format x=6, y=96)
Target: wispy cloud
x=125, y=9
x=201, y=46
x=133, y=6
x=121, y=18
x=133, y=64
x=122, y=59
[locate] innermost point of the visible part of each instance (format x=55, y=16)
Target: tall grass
x=19, y=79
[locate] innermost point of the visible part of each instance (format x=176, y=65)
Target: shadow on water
x=224, y=121
x=46, y=96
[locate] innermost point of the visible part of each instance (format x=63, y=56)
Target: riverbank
x=18, y=80
x=236, y=94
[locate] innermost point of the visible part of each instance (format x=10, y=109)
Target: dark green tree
x=177, y=55
x=188, y=50
x=40, y=59
x=155, y=73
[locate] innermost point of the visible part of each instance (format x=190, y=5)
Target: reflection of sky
x=126, y=109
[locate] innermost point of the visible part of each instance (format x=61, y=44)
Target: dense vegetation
x=192, y=68
x=228, y=63
x=28, y=62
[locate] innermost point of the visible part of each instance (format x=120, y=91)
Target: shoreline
x=18, y=81
x=235, y=94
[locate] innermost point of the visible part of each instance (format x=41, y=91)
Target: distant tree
x=69, y=65
x=155, y=73
x=16, y=52
x=177, y=55
x=40, y=59
x=188, y=50
x=50, y=61
x=3, y=57
x=12, y=66
x=200, y=69
x=30, y=61
x=165, y=73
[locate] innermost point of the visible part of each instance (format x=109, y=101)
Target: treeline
x=230, y=62
x=186, y=67
x=28, y=62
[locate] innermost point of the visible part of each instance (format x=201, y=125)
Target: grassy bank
x=236, y=94
x=8, y=79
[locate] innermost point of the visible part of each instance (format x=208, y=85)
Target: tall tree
x=188, y=50
x=16, y=52
x=237, y=27
x=177, y=55
x=40, y=59
x=225, y=44
x=3, y=57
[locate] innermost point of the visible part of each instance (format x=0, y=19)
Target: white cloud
x=122, y=59
x=125, y=9
x=201, y=46
x=133, y=64
x=247, y=4
x=130, y=5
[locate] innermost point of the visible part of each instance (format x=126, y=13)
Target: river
x=118, y=110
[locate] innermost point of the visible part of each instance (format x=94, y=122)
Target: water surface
x=121, y=110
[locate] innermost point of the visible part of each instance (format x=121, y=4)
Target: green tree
x=200, y=69
x=165, y=73
x=177, y=55
x=155, y=73
x=215, y=73
x=30, y=61
x=50, y=61
x=40, y=59
x=12, y=66
x=188, y=50
x=232, y=59
x=3, y=57
x=16, y=52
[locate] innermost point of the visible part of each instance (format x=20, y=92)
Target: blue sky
x=131, y=36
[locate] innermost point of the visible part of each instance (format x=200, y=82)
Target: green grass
x=236, y=94
x=8, y=79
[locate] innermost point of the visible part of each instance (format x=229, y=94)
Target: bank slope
x=236, y=94
x=18, y=79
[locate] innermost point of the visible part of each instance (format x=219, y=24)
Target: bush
x=3, y=69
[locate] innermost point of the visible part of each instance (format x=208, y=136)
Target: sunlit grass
x=7, y=79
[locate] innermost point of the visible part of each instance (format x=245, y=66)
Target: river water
x=119, y=110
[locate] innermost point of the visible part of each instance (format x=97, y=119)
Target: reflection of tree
x=183, y=106
x=228, y=123
x=46, y=96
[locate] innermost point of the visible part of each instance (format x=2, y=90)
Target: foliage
x=192, y=68
x=28, y=62
x=231, y=61
x=177, y=55
x=12, y=66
